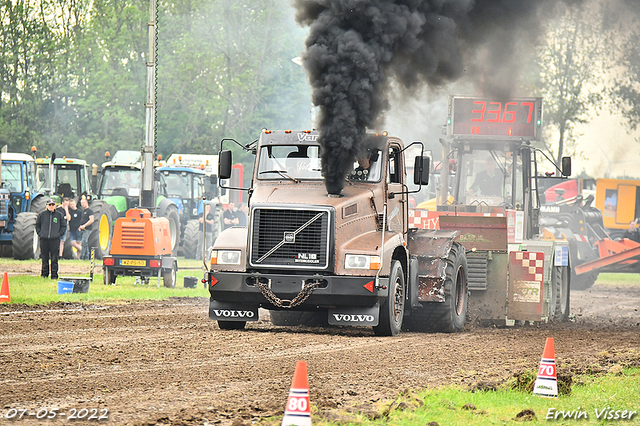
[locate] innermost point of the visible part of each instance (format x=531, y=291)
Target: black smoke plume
x=355, y=48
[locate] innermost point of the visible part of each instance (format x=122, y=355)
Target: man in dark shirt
x=209, y=220
x=75, y=235
x=50, y=226
x=229, y=217
x=85, y=228
x=488, y=182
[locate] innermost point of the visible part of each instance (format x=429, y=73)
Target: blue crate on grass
x=65, y=287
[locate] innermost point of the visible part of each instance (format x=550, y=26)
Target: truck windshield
x=178, y=184
x=368, y=167
x=114, y=178
x=289, y=162
x=487, y=177
x=43, y=177
x=12, y=176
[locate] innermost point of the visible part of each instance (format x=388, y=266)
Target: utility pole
x=148, y=192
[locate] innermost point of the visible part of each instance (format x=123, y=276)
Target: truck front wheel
x=392, y=310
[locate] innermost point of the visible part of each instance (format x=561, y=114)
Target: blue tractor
x=190, y=186
x=20, y=203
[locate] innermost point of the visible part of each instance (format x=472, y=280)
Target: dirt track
x=166, y=363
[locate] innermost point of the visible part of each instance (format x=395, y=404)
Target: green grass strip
x=608, y=399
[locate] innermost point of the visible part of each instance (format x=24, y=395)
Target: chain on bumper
x=304, y=294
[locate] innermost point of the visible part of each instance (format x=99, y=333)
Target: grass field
x=34, y=290
x=610, y=399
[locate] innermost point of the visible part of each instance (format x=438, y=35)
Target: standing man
x=230, y=217
x=85, y=227
x=64, y=209
x=209, y=221
x=242, y=214
x=50, y=226
x=75, y=236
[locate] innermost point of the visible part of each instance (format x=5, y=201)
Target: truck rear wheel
x=392, y=310
x=448, y=316
x=232, y=325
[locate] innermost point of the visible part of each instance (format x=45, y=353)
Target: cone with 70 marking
x=297, y=411
x=547, y=381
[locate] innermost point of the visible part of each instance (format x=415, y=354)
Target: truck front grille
x=3, y=207
x=290, y=238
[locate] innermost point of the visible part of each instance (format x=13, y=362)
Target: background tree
x=626, y=93
x=570, y=57
x=226, y=70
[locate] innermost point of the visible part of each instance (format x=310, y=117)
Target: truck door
x=396, y=199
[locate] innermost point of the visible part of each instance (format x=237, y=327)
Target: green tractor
x=119, y=189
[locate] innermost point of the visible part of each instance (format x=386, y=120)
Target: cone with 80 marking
x=297, y=411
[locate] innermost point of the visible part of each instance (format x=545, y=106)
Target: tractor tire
x=579, y=253
x=232, y=325
x=560, y=298
x=392, y=309
x=26, y=244
x=169, y=277
x=6, y=250
x=38, y=205
x=102, y=230
x=67, y=251
x=190, y=247
x=449, y=316
x=171, y=213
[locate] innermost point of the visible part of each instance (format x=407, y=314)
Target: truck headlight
x=225, y=257
x=361, y=261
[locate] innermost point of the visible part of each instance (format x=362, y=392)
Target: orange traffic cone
x=297, y=411
x=546, y=384
x=4, y=292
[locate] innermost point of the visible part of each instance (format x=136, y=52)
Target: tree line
x=73, y=75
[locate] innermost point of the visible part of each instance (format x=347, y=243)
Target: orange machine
x=141, y=246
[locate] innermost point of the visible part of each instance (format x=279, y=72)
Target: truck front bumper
x=333, y=291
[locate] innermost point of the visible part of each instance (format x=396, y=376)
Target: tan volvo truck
x=350, y=258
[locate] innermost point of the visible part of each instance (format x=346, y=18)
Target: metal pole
x=148, y=193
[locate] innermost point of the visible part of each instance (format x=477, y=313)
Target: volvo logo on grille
x=289, y=237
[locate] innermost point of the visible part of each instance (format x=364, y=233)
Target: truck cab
x=350, y=257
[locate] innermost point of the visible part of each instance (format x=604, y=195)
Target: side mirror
x=224, y=164
x=566, y=166
x=421, y=171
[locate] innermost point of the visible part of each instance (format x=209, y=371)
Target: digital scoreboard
x=482, y=118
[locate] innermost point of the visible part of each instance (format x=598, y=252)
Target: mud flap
x=232, y=311
x=526, y=274
x=355, y=316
